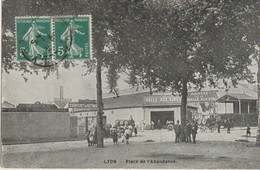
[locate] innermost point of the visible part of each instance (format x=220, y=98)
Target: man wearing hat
x=177, y=129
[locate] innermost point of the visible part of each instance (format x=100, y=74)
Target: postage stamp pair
x=53, y=38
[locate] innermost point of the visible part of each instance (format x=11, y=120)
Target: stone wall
x=26, y=127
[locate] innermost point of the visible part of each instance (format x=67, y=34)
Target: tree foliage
x=194, y=43
x=167, y=44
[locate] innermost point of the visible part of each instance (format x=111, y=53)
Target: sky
x=76, y=86
x=15, y=90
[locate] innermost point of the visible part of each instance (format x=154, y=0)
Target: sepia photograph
x=130, y=84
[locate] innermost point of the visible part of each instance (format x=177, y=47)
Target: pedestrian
x=177, y=129
x=219, y=123
x=114, y=135
x=135, y=130
x=95, y=136
x=88, y=133
x=152, y=125
x=91, y=137
x=219, y=126
x=209, y=121
x=144, y=123
x=159, y=126
x=188, y=131
x=132, y=122
x=228, y=125
x=127, y=135
x=248, y=132
x=194, y=131
x=111, y=130
x=123, y=135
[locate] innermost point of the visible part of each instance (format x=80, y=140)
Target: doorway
x=163, y=116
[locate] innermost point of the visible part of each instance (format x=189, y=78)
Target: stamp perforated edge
x=90, y=31
x=15, y=34
x=53, y=32
x=53, y=42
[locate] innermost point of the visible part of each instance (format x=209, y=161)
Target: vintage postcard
x=130, y=84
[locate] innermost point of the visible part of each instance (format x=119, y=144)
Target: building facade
x=144, y=108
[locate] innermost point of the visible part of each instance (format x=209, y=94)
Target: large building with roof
x=237, y=103
x=142, y=107
x=145, y=108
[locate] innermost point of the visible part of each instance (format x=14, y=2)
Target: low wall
x=73, y=127
x=241, y=119
x=26, y=127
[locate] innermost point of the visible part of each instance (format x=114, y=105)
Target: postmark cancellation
x=53, y=38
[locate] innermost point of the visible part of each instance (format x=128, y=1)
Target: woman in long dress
x=69, y=35
x=31, y=36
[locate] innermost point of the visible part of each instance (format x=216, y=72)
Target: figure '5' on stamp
x=73, y=37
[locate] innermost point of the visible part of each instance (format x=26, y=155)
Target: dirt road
x=208, y=152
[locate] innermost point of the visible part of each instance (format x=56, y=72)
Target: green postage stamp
x=72, y=37
x=33, y=38
x=53, y=38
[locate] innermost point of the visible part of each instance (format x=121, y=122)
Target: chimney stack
x=61, y=92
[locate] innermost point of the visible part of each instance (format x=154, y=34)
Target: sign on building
x=82, y=105
x=202, y=96
x=199, y=96
x=157, y=99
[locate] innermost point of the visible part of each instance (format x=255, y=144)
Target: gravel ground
x=213, y=150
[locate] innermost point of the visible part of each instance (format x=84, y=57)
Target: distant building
x=239, y=99
x=145, y=108
x=142, y=107
x=6, y=104
x=83, y=115
x=37, y=107
x=237, y=104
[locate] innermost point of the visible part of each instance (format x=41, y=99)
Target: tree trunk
x=184, y=95
x=258, y=86
x=100, y=139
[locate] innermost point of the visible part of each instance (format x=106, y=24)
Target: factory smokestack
x=61, y=92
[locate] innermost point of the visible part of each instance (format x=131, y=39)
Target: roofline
x=126, y=94
x=134, y=107
x=35, y=104
x=237, y=99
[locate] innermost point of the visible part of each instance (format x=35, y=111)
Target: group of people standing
x=125, y=134
x=186, y=131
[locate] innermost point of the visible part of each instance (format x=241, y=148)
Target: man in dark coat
x=228, y=125
x=188, y=131
x=219, y=122
x=95, y=136
x=177, y=129
x=194, y=131
x=88, y=134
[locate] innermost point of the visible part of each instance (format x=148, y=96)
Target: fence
x=241, y=119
